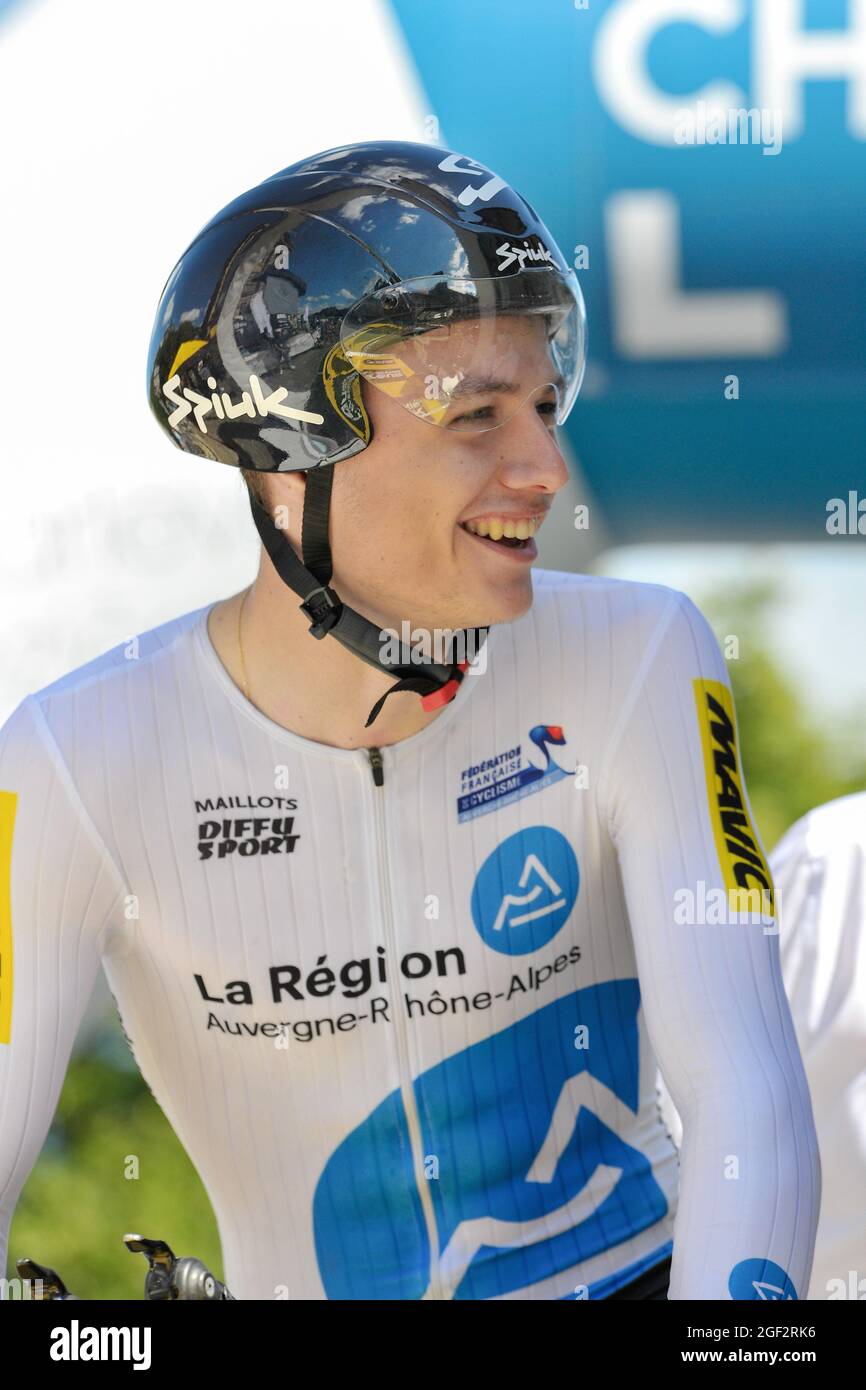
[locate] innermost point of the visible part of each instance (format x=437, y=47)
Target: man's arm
x=58, y=892
x=673, y=794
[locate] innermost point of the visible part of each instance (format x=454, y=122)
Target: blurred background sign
x=704, y=162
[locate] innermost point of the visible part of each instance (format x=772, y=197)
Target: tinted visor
x=467, y=353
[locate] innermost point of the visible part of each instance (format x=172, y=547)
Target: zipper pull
x=377, y=765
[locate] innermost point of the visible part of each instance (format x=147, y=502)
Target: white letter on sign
x=624, y=35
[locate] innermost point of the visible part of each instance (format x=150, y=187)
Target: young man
x=397, y=958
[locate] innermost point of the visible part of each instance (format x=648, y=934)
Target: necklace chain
x=246, y=685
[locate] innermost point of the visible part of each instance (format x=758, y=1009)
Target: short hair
x=256, y=485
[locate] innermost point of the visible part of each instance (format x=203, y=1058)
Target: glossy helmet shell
x=261, y=293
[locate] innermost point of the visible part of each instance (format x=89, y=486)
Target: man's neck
x=316, y=689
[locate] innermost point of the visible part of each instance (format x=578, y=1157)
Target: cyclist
x=397, y=956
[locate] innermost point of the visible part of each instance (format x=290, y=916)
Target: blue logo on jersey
x=525, y=890
x=760, y=1279
x=526, y=1170
x=503, y=779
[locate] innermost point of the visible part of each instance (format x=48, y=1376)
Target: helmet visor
x=465, y=354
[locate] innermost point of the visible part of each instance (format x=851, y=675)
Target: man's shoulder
x=129, y=657
x=601, y=600
x=631, y=634
x=107, y=677
x=595, y=586
x=77, y=709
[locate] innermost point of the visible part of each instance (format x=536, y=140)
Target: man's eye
x=484, y=412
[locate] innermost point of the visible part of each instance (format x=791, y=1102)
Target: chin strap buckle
x=323, y=608
x=446, y=693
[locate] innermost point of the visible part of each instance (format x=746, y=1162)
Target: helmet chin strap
x=437, y=683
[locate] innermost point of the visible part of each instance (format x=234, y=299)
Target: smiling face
x=434, y=524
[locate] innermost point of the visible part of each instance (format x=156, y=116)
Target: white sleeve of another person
x=819, y=869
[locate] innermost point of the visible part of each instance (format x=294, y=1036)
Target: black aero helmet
x=356, y=263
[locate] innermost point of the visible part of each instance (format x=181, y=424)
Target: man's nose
x=529, y=448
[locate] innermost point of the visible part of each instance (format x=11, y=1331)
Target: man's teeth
x=496, y=529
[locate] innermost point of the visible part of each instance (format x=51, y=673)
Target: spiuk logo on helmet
x=510, y=254
x=253, y=402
